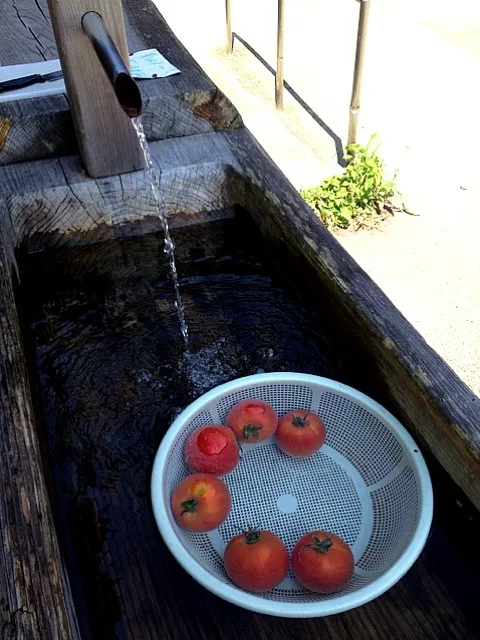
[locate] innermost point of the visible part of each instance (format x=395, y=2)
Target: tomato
x=322, y=562
x=256, y=560
x=252, y=420
x=201, y=502
x=212, y=449
x=300, y=433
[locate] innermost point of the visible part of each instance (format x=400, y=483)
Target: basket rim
x=255, y=602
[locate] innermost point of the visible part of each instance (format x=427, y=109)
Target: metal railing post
x=280, y=44
x=228, y=17
x=358, y=72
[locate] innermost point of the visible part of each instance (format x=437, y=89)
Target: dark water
x=112, y=373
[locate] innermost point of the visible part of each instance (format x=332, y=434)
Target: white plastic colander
x=368, y=484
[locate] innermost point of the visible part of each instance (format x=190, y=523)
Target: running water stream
x=162, y=213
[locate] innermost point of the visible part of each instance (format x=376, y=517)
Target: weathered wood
x=43, y=128
x=26, y=34
x=197, y=105
x=32, y=129
x=185, y=104
x=52, y=203
x=35, y=599
x=423, y=391
x=172, y=109
x=107, y=139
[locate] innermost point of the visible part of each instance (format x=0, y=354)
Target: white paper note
x=151, y=64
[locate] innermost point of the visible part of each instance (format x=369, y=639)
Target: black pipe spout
x=124, y=86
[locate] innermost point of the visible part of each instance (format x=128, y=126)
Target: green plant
x=360, y=196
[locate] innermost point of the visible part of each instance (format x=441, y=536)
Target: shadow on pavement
x=336, y=139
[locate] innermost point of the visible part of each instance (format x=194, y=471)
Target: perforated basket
x=368, y=483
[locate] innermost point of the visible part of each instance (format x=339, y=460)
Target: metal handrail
x=358, y=71
x=280, y=45
x=228, y=19
x=279, y=76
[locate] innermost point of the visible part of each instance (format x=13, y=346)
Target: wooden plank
x=34, y=129
x=185, y=104
x=35, y=600
x=173, y=109
x=438, y=408
x=43, y=128
x=191, y=90
x=188, y=103
x=143, y=21
x=52, y=202
x=26, y=34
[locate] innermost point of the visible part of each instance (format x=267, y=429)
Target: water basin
x=265, y=288
x=112, y=373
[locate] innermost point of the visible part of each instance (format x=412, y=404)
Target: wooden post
x=228, y=16
x=106, y=137
x=358, y=72
x=280, y=46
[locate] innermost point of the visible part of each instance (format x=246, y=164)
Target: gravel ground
x=420, y=94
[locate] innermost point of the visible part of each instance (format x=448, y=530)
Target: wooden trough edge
x=35, y=598
x=52, y=203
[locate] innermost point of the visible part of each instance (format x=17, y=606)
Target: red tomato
x=212, y=449
x=256, y=560
x=322, y=562
x=252, y=420
x=300, y=433
x=201, y=502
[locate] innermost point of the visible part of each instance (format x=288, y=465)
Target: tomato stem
x=189, y=506
x=298, y=421
x=321, y=546
x=252, y=535
x=251, y=430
